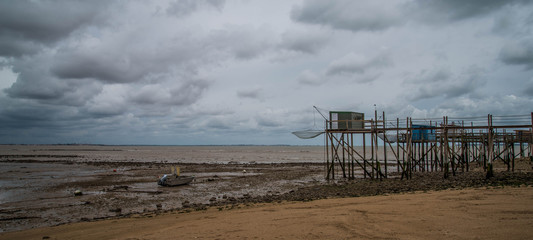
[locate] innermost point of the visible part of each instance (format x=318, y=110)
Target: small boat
x=171, y=180
x=174, y=179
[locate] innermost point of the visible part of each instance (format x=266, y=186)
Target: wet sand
x=493, y=213
x=37, y=184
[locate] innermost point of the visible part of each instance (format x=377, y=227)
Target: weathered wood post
x=490, y=147
x=384, y=144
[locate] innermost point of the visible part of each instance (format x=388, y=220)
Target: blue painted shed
x=423, y=132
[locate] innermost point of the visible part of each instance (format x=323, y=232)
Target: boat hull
x=174, y=180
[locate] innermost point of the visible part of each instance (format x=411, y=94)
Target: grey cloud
x=528, y=88
x=31, y=85
x=304, y=42
x=136, y=69
x=518, y=53
x=250, y=93
x=263, y=121
x=380, y=15
x=111, y=101
x=442, y=83
x=193, y=111
x=177, y=93
x=308, y=77
x=351, y=67
x=32, y=23
x=302, y=117
x=513, y=21
x=78, y=93
x=438, y=11
x=494, y=104
x=273, y=119
x=150, y=94
x=139, y=52
x=432, y=76
x=367, y=78
x=154, y=51
x=15, y=46
x=182, y=8
x=102, y=67
x=217, y=123
x=17, y=116
x=463, y=106
x=349, y=15
x=459, y=89
x=141, y=74
x=21, y=116
x=189, y=92
x=124, y=63
x=106, y=109
x=358, y=64
x=241, y=42
x=34, y=82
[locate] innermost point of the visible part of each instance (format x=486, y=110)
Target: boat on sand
x=171, y=180
x=174, y=179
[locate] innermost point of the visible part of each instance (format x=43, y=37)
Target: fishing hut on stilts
x=356, y=147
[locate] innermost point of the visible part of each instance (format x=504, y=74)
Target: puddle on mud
x=26, y=181
x=36, y=190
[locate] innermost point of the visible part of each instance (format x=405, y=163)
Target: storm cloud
x=518, y=53
x=349, y=15
x=442, y=83
x=234, y=72
x=27, y=25
x=438, y=11
x=355, y=63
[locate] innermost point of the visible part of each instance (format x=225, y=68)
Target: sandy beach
x=245, y=192
x=494, y=213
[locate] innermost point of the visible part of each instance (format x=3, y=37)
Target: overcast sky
x=249, y=72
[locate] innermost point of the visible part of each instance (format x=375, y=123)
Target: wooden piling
x=439, y=146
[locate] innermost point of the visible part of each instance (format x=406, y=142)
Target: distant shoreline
x=157, y=145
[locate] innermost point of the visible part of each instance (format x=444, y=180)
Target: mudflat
x=276, y=191
x=38, y=182
x=482, y=213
